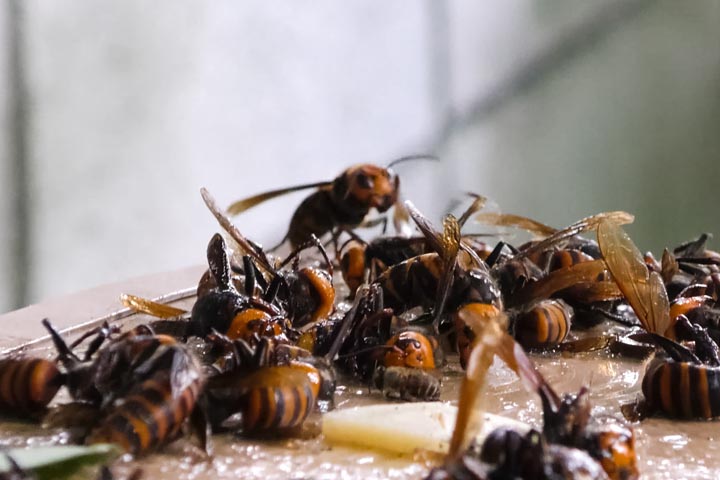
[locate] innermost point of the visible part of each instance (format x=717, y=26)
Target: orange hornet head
x=410, y=349
x=615, y=446
x=371, y=186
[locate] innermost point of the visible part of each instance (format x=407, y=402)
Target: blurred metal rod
x=20, y=236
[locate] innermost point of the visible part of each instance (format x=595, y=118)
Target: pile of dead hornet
x=260, y=349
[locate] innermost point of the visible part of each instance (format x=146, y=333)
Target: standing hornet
x=339, y=204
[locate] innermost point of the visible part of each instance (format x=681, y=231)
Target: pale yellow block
x=403, y=428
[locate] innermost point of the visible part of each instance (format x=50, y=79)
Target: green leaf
x=56, y=461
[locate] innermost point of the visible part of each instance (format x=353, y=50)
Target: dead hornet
x=566, y=448
x=397, y=358
x=305, y=294
x=407, y=367
x=271, y=398
x=451, y=278
x=691, y=263
x=362, y=261
x=137, y=391
x=274, y=386
x=678, y=383
x=339, y=204
x=459, y=280
x=221, y=308
x=571, y=272
x=28, y=385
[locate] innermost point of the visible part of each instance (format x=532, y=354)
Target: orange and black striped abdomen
x=413, y=282
x=27, y=385
x=545, y=324
x=682, y=389
x=317, y=215
x=281, y=397
x=148, y=417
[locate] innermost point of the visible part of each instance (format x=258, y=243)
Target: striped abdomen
x=682, y=389
x=27, y=385
x=317, y=216
x=279, y=397
x=153, y=412
x=413, y=282
x=546, y=324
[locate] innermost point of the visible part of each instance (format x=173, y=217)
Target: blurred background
x=114, y=113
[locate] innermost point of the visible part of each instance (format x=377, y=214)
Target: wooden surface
x=23, y=325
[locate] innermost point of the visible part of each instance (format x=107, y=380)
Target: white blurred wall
x=134, y=105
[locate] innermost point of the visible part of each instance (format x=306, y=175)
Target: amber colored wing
x=475, y=206
x=447, y=245
x=491, y=339
x=591, y=292
x=401, y=220
x=433, y=237
x=515, y=357
x=247, y=203
x=143, y=305
x=669, y=266
x=643, y=289
x=469, y=419
x=583, y=225
x=449, y=253
x=558, y=280
x=517, y=221
x=233, y=231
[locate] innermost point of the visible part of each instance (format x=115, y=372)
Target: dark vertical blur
x=19, y=229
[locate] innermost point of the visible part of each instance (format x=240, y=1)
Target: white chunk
x=403, y=428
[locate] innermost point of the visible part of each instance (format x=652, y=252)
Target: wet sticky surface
x=665, y=448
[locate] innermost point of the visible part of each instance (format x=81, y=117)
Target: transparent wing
x=517, y=221
x=247, y=203
x=643, y=289
x=558, y=280
x=143, y=305
x=236, y=235
x=583, y=225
